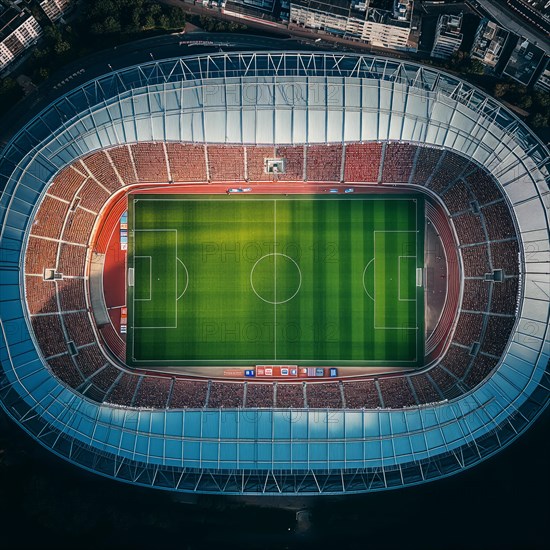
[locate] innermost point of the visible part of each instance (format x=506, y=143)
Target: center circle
x=275, y=278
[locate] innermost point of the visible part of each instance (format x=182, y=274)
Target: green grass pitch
x=263, y=279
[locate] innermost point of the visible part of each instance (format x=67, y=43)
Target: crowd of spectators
x=398, y=162
x=476, y=295
x=187, y=162
x=63, y=367
x=456, y=360
x=483, y=186
x=50, y=218
x=48, y=331
x=89, y=360
x=323, y=394
x=361, y=394
x=114, y=341
x=457, y=198
x=444, y=381
x=498, y=221
x=396, y=392
x=153, y=392
x=495, y=340
x=66, y=184
x=289, y=395
x=294, y=162
x=40, y=295
x=72, y=259
x=226, y=394
x=255, y=163
x=481, y=367
x=98, y=164
x=105, y=378
x=476, y=260
x=123, y=163
x=188, y=394
x=426, y=163
x=260, y=395
x=71, y=294
x=424, y=388
x=504, y=297
x=468, y=328
x=448, y=170
x=226, y=162
x=122, y=393
x=362, y=162
x=505, y=255
x=150, y=162
x=79, y=328
x=78, y=226
x=469, y=228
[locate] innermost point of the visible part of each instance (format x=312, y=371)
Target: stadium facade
x=273, y=99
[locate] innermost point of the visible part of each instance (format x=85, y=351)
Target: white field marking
x=262, y=361
x=374, y=309
x=364, y=285
x=359, y=196
x=175, y=281
x=399, y=280
x=150, y=279
x=275, y=280
x=187, y=279
x=272, y=301
x=416, y=290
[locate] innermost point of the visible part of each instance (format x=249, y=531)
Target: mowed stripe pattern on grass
x=273, y=279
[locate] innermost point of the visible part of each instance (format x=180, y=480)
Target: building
x=448, y=36
x=536, y=12
x=489, y=43
x=54, y=9
x=524, y=61
x=262, y=5
x=269, y=10
x=18, y=31
x=381, y=23
x=543, y=81
x=395, y=119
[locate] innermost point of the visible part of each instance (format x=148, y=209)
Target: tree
x=44, y=73
x=476, y=67
x=61, y=47
x=177, y=17
x=542, y=99
x=539, y=120
x=149, y=22
x=39, y=53
x=501, y=89
x=164, y=21
x=112, y=25
x=525, y=102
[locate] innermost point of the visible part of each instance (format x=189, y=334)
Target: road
x=509, y=20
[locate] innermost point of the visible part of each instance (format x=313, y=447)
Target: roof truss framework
x=300, y=451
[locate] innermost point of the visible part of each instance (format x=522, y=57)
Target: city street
x=507, y=19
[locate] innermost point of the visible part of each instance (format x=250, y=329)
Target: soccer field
x=262, y=279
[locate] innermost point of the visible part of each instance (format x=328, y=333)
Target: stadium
x=275, y=273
